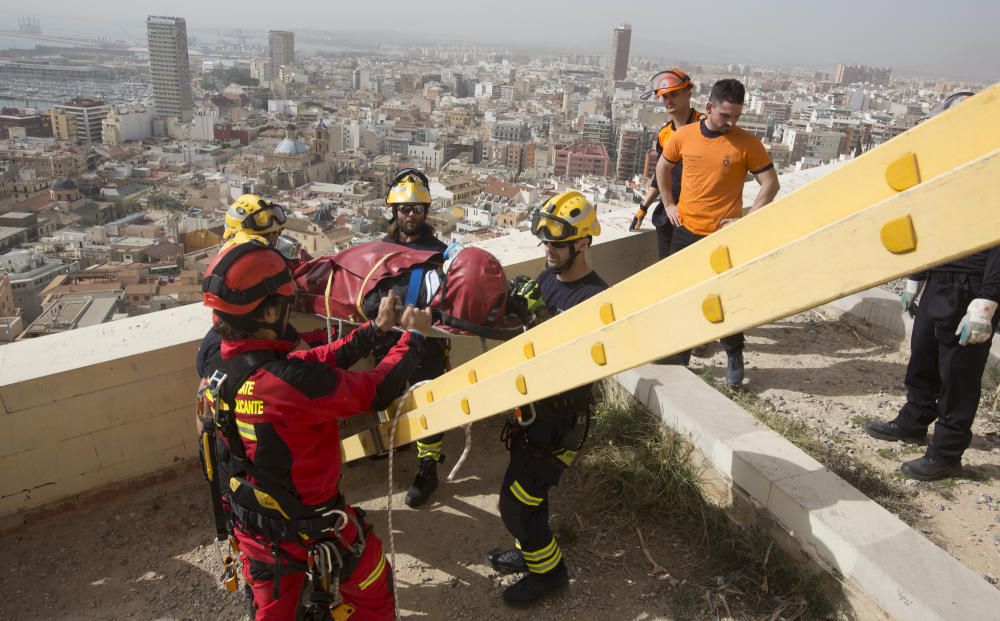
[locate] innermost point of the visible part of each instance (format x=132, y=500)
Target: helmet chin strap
x=278, y=327
x=281, y=324
x=569, y=263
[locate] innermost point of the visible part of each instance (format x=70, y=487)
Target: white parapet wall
x=97, y=406
x=103, y=405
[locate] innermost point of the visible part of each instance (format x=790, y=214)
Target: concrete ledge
x=881, y=308
x=99, y=406
x=903, y=573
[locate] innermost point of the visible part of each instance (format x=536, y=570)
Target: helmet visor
x=550, y=228
x=666, y=82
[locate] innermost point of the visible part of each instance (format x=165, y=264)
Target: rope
x=468, y=429
x=388, y=496
x=326, y=299
x=465, y=453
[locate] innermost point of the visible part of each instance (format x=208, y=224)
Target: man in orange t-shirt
x=717, y=156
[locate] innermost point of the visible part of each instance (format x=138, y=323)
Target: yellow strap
x=372, y=577
x=364, y=283
x=208, y=459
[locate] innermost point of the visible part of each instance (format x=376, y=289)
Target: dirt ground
x=143, y=554
x=831, y=373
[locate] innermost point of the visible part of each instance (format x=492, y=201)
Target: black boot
x=424, y=484
x=931, y=469
x=536, y=587
x=734, y=368
x=507, y=561
x=892, y=433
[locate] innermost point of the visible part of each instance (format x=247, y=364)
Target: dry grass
x=638, y=480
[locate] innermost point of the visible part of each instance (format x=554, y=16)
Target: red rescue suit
x=287, y=413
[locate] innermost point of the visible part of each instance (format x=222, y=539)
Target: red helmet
x=243, y=276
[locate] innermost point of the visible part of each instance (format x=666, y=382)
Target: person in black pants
x=949, y=348
x=410, y=200
x=544, y=441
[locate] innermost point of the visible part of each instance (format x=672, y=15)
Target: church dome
x=64, y=184
x=289, y=146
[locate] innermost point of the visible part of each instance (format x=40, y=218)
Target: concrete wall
x=96, y=406
x=102, y=405
x=882, y=563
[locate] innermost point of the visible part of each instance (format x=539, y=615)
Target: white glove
x=909, y=295
x=977, y=325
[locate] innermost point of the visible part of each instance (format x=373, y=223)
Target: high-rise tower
x=621, y=39
x=169, y=68
x=282, y=45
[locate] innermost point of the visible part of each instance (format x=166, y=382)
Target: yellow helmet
x=565, y=217
x=409, y=187
x=243, y=237
x=254, y=216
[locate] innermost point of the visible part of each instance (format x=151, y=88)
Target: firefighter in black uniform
x=949, y=348
x=410, y=200
x=546, y=438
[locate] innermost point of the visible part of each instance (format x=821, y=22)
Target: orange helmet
x=668, y=81
x=243, y=276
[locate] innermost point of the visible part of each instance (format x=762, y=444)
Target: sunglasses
x=408, y=209
x=558, y=245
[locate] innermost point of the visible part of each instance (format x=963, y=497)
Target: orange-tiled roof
x=501, y=188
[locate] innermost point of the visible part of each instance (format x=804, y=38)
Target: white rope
x=465, y=453
x=468, y=434
x=388, y=496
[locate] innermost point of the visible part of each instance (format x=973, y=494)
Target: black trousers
x=664, y=235
x=732, y=344
x=664, y=229
x=539, y=454
x=943, y=378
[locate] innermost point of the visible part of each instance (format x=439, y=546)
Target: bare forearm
x=651, y=194
x=769, y=187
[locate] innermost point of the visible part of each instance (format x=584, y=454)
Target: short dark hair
x=728, y=90
x=234, y=327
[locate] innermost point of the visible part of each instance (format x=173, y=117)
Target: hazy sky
x=957, y=39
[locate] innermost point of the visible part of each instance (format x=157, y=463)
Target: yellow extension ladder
x=925, y=197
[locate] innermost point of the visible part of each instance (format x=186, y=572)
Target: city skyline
x=913, y=38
